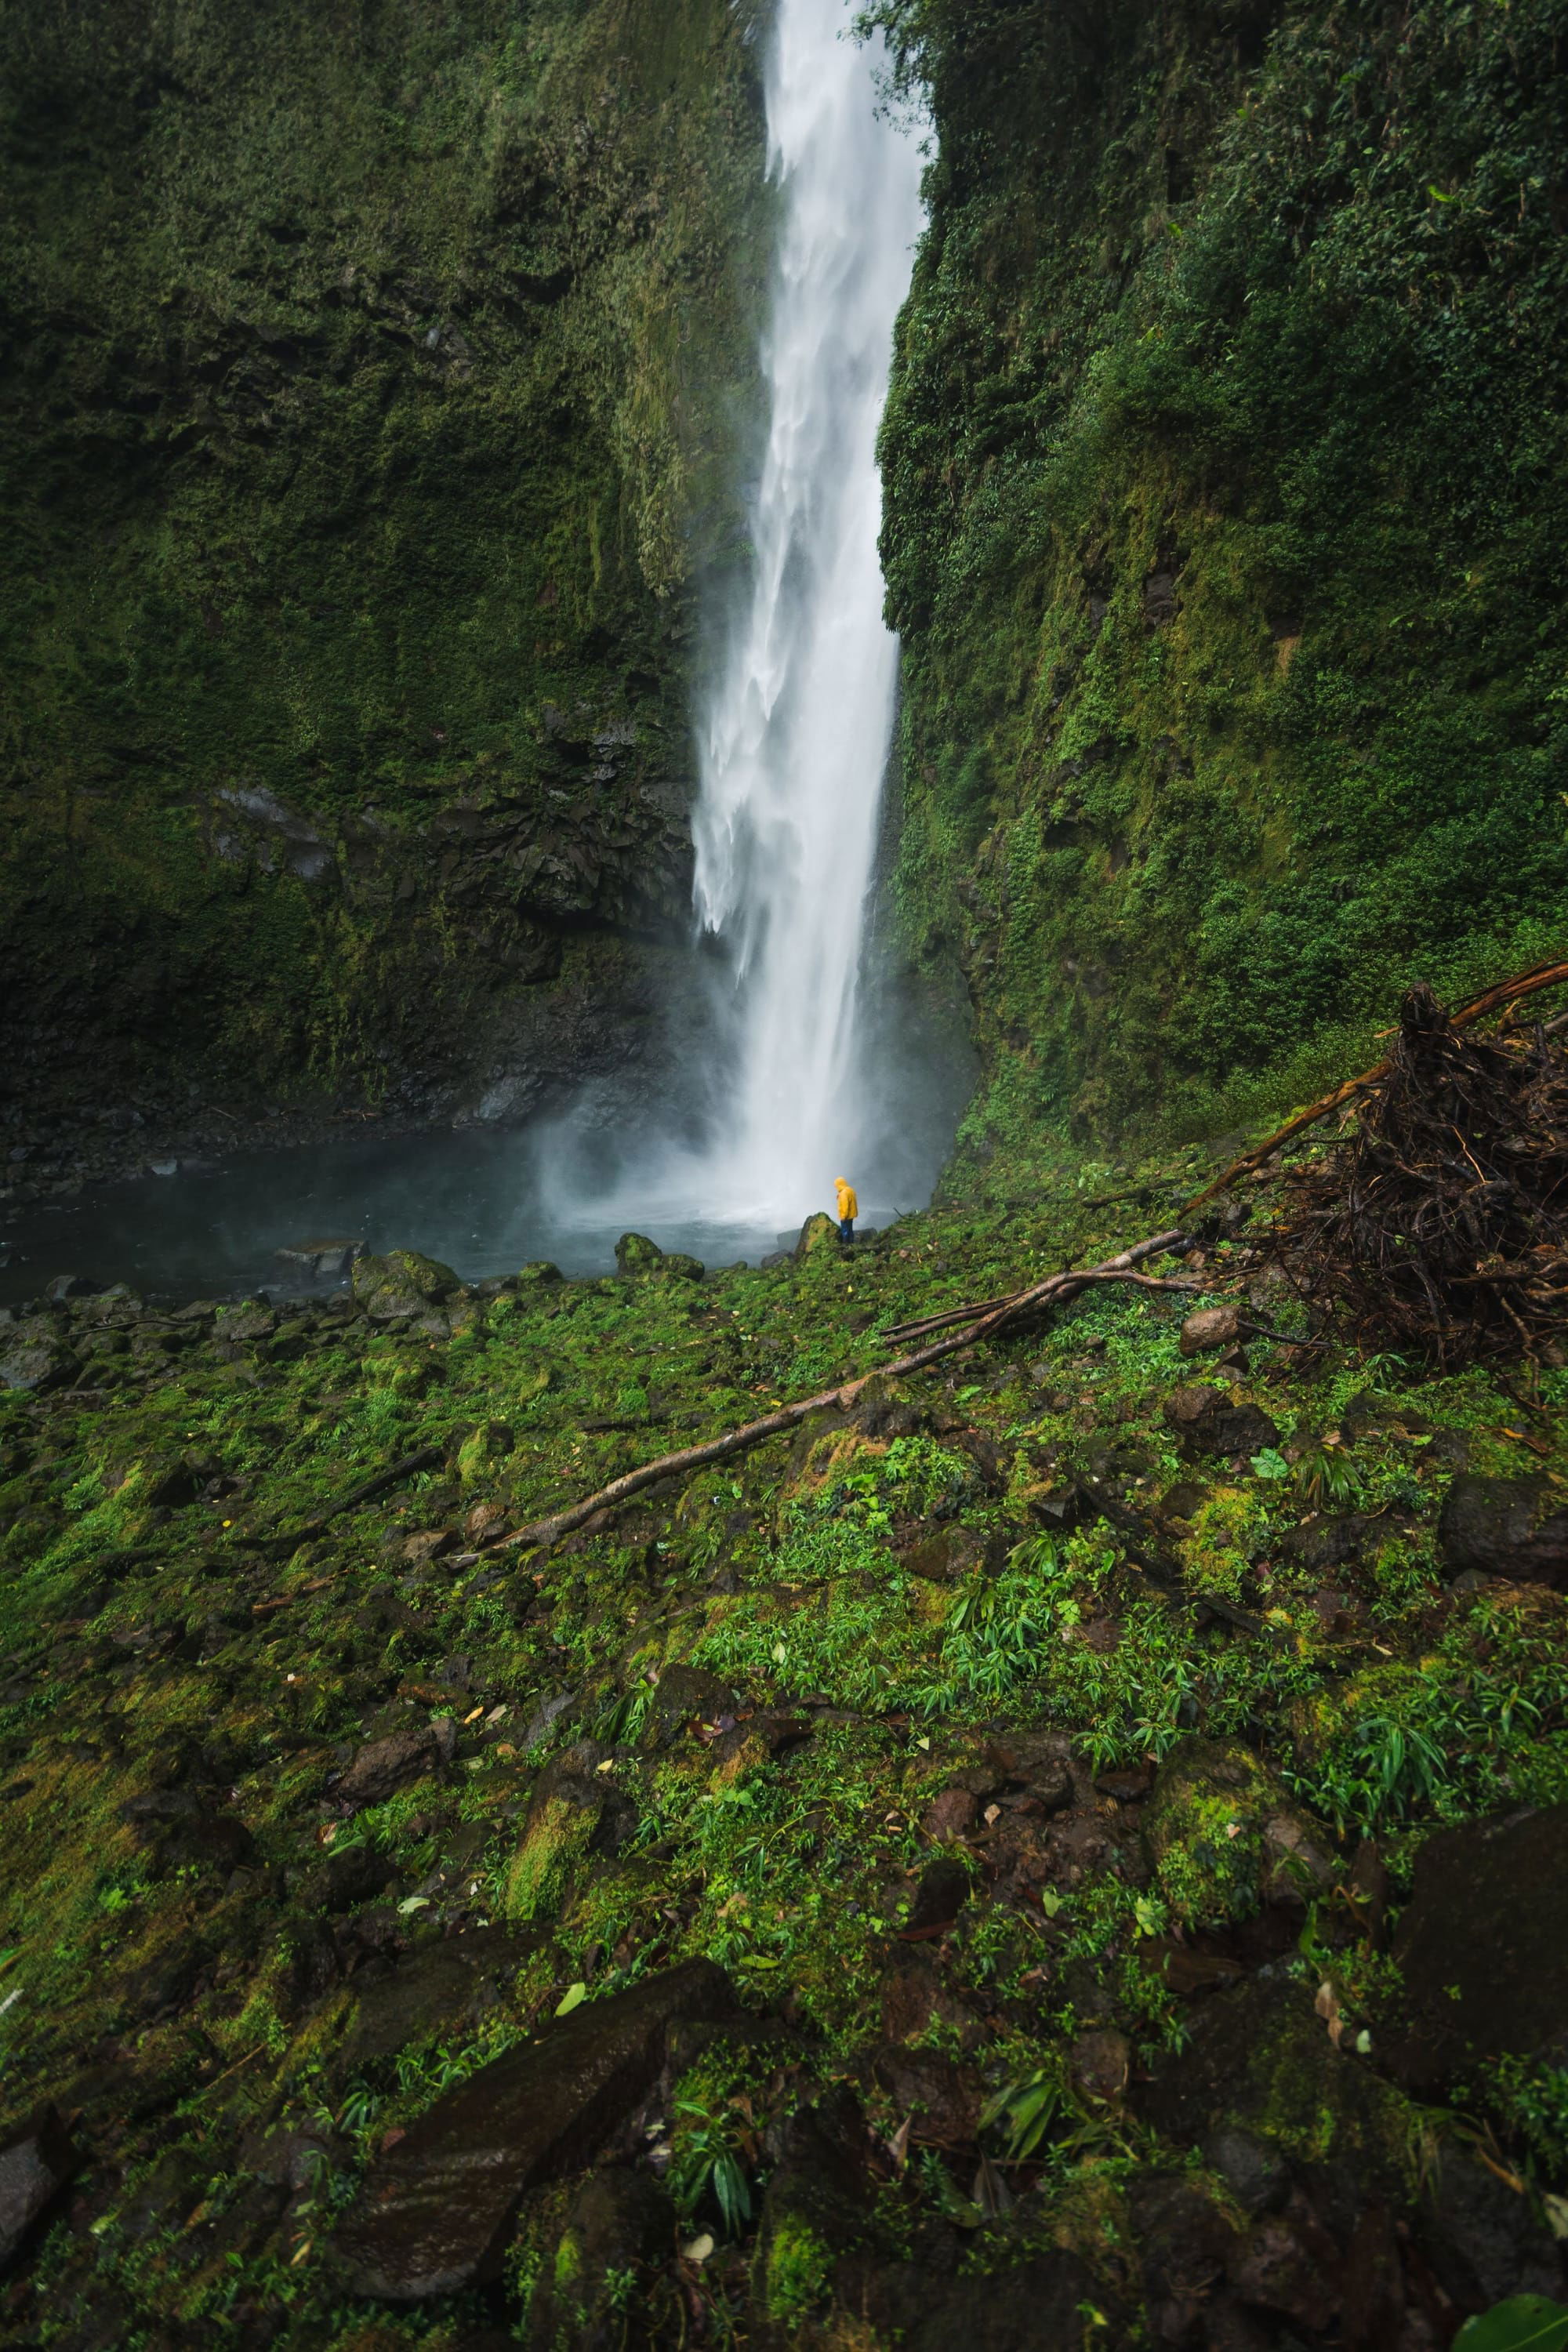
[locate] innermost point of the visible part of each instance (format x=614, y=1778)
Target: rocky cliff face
x=368, y=382
x=1226, y=509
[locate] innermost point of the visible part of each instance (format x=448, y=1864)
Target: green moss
x=796, y=2274
x=370, y=415
x=540, y=1869
x=1223, y=487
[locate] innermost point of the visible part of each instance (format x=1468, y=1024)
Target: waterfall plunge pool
x=471, y=1199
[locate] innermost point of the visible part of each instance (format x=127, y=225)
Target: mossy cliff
x=1225, y=508
x=369, y=380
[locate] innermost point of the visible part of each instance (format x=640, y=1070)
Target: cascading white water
x=795, y=739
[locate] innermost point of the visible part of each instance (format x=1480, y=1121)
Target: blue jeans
x=845, y=1229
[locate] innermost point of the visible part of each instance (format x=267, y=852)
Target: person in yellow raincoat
x=848, y=1209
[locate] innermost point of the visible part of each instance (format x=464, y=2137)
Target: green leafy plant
x=706, y=2165
x=1523, y=2323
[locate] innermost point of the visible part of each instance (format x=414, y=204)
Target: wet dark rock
x=1061, y=1509
x=166, y=1980
x=448, y=1988
x=941, y=1555
x=1259, y=2060
x=621, y=2225
x=816, y=2209
x=1184, y=2240
x=1289, y=2267
x=436, y=2210
x=1100, y=2064
x=1209, y=1420
x=1253, y=2169
x=384, y=1766
x=344, y=1880
x=576, y=1809
x=1037, y=2305
x=70, y=1285
x=943, y=2098
x=1516, y=1527
x=1223, y=1837
x=324, y=1259
x=1482, y=2237
x=1482, y=1948
x=34, y=1359
x=941, y=1893
x=37, y=2163
x=1321, y=1545
x=244, y=1324
x=185, y=1830
x=685, y=1695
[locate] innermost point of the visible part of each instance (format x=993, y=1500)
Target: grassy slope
x=1225, y=472
x=365, y=371
x=139, y=1636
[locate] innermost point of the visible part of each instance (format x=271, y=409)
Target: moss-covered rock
x=1222, y=1836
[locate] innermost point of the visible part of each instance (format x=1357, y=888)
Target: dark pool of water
x=471, y=1199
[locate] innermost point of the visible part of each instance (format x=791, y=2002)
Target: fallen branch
x=1055, y=1290
x=430, y=1457
x=1508, y=993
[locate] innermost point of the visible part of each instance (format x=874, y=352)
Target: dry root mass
x=1439, y=1224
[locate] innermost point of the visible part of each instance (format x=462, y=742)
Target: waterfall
x=795, y=740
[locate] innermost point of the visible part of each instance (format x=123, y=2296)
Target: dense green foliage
x=1225, y=511
x=365, y=371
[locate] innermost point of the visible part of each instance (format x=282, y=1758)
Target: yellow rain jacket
x=848, y=1206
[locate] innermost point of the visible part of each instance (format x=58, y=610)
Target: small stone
x=1100, y=2064
x=1212, y=1327
x=952, y=1813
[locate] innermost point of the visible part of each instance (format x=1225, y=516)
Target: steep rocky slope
x=1226, y=512
x=367, y=394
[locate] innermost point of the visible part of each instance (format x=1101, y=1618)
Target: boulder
x=34, y=1358
x=448, y=1991
x=1258, y=2062
x=436, y=2211
x=36, y=2164
x=324, y=1259
x=1516, y=1527
x=247, y=1321
x=1037, y=2304
x=576, y=1809
x=1481, y=2238
x=1210, y=1329
x=1223, y=1838
x=621, y=2227
x=819, y=1232
x=685, y=1695
x=816, y=2209
x=1482, y=1948
x=634, y=1253
x=383, y=1765
x=1211, y=1421
x=944, y=2100
x=402, y=1285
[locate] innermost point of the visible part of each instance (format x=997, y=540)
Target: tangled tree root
x=1440, y=1225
